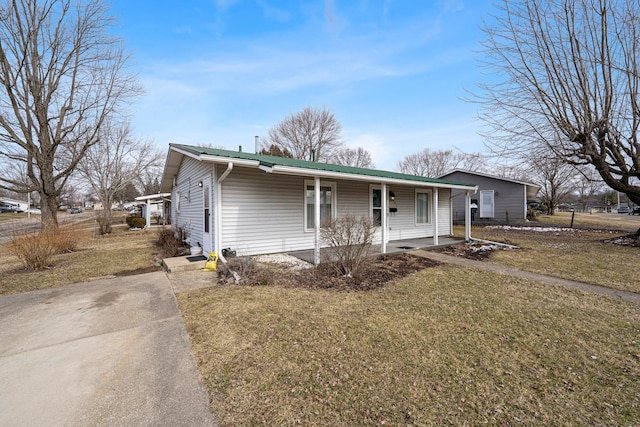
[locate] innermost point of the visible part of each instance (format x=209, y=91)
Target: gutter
x=288, y=170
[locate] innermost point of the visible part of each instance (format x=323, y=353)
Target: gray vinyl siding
x=508, y=197
x=191, y=217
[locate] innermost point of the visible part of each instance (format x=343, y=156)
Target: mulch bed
x=469, y=252
x=626, y=240
x=378, y=272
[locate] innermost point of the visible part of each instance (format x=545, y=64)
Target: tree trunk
x=49, y=210
x=106, y=221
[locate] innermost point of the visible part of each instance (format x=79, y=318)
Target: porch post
x=383, y=220
x=435, y=216
x=148, y=213
x=316, y=222
x=467, y=216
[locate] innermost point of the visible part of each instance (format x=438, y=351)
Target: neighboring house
x=155, y=207
x=498, y=199
x=257, y=204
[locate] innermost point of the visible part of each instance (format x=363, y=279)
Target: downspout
x=218, y=228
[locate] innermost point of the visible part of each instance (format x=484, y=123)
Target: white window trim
x=177, y=202
x=334, y=200
x=493, y=203
x=371, y=188
x=429, y=194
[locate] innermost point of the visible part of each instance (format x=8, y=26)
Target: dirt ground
x=376, y=273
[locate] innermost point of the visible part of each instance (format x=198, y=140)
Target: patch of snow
x=536, y=229
x=283, y=260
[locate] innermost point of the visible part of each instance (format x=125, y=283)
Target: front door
x=206, y=211
x=486, y=204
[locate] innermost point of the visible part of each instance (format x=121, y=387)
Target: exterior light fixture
x=200, y=184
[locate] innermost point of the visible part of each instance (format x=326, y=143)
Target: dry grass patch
x=610, y=220
x=444, y=346
x=577, y=255
x=117, y=254
x=6, y=217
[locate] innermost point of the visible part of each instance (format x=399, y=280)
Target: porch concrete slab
x=394, y=246
x=182, y=263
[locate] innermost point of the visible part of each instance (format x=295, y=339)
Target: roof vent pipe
x=313, y=155
x=257, y=138
x=240, y=148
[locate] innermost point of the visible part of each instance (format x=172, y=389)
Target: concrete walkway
x=112, y=352
x=511, y=271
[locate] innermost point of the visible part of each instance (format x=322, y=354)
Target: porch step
x=181, y=263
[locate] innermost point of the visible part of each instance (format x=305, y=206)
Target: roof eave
x=224, y=159
x=289, y=170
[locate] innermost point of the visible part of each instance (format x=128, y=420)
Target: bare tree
x=356, y=157
x=588, y=185
x=435, y=163
x=313, y=130
x=556, y=180
x=568, y=80
x=116, y=161
x=275, y=150
x=149, y=179
x=61, y=76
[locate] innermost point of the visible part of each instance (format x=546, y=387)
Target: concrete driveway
x=112, y=352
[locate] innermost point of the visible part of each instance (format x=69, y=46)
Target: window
x=327, y=203
x=376, y=206
x=423, y=205
x=206, y=208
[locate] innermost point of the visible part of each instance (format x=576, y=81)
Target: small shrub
x=33, y=249
x=349, y=238
x=250, y=272
x=169, y=245
x=63, y=238
x=136, y=222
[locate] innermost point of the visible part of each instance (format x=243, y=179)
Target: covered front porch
x=393, y=246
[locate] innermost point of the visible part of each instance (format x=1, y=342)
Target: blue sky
x=222, y=71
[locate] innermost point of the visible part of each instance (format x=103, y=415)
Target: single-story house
x=499, y=199
x=258, y=204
